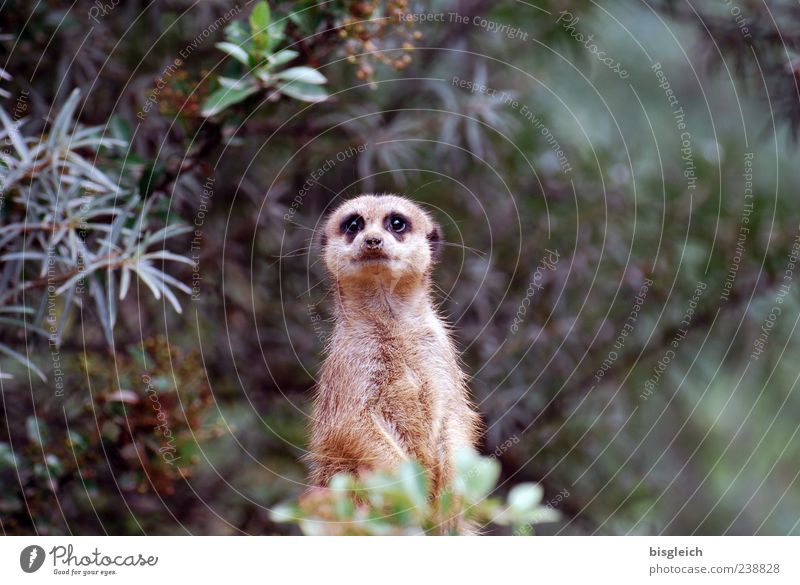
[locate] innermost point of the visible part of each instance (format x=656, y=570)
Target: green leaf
x=311, y=527
x=447, y=502
x=285, y=512
x=64, y=121
x=305, y=92
x=235, y=51
x=23, y=324
x=224, y=98
x=36, y=430
x=544, y=514
x=476, y=476
x=230, y=83
x=104, y=312
x=341, y=482
x=264, y=75
x=237, y=33
x=14, y=136
x=54, y=464
x=76, y=441
x=17, y=309
x=260, y=17
x=523, y=530
x=23, y=360
x=524, y=497
x=302, y=74
x=158, y=282
x=164, y=255
x=124, y=283
x=7, y=458
x=281, y=57
x=162, y=384
x=414, y=483
x=274, y=37
x=344, y=506
x=259, y=24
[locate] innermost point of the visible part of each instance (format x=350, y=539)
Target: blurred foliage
x=399, y=503
x=255, y=50
x=238, y=306
x=71, y=227
x=133, y=431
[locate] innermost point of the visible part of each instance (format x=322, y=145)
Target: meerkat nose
x=373, y=243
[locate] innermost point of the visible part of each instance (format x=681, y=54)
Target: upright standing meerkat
x=391, y=387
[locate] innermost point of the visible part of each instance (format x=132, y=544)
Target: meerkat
x=391, y=387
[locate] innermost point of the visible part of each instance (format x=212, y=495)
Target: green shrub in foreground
x=398, y=503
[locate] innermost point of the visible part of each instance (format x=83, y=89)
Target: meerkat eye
x=397, y=224
x=353, y=225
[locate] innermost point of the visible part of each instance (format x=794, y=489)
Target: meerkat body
x=391, y=387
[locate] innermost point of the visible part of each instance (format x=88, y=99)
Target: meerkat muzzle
x=372, y=244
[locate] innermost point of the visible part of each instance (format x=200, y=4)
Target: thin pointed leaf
x=72, y=280
x=69, y=299
x=102, y=308
x=23, y=360
x=168, y=231
x=95, y=175
x=164, y=255
x=24, y=325
x=17, y=309
x=125, y=282
x=63, y=121
x=12, y=131
x=165, y=279
x=111, y=298
x=173, y=300
x=138, y=268
x=116, y=227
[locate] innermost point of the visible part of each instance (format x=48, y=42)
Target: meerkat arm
x=389, y=436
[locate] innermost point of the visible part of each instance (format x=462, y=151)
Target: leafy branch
x=256, y=50
x=76, y=226
x=382, y=503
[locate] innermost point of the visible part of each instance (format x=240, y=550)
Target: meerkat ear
x=435, y=242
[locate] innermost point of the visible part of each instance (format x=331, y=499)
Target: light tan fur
x=391, y=387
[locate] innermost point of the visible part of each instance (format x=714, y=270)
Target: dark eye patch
x=352, y=225
x=397, y=224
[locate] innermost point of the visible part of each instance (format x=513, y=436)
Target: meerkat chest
x=399, y=361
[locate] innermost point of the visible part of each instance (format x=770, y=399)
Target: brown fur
x=391, y=387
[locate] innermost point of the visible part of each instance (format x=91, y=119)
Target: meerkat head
x=379, y=239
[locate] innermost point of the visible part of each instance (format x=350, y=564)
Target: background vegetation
x=618, y=183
